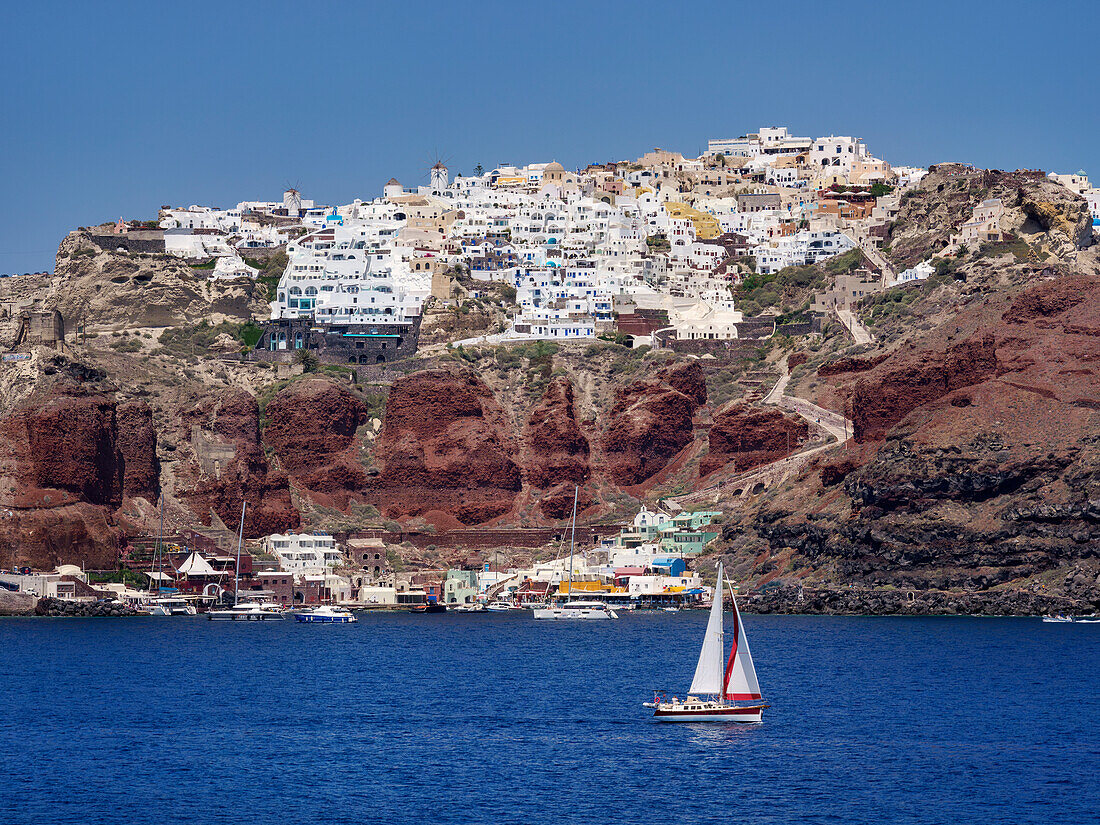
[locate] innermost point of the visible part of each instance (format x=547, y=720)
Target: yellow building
x=707, y=227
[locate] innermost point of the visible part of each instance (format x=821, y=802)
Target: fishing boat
x=575, y=609
x=326, y=614
x=725, y=682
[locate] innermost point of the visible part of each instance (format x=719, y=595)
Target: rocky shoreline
x=878, y=602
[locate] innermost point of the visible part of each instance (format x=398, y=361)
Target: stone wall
x=728, y=350
x=142, y=241
x=492, y=537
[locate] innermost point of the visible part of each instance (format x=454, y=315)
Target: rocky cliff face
x=651, y=421
x=979, y=461
x=747, y=437
x=884, y=396
x=108, y=289
x=557, y=450
x=137, y=443
x=446, y=445
x=61, y=476
x=312, y=427
x=1038, y=210
x=225, y=464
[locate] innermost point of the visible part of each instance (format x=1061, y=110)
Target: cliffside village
x=649, y=249
x=645, y=565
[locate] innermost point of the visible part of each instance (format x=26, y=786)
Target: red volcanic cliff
x=446, y=444
x=750, y=436
x=72, y=450
x=227, y=465
x=137, y=442
x=60, y=477
x=910, y=379
x=651, y=421
x=557, y=451
x=311, y=427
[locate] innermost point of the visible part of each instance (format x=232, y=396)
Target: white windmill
x=439, y=178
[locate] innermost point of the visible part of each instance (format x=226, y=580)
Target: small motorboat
x=500, y=607
x=428, y=607
x=326, y=614
x=1060, y=618
x=670, y=609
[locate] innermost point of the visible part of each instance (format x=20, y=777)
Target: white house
x=304, y=552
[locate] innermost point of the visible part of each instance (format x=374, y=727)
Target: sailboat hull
x=708, y=712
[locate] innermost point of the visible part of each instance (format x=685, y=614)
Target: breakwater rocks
x=861, y=602
x=61, y=607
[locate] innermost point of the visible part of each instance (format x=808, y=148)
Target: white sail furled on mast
x=740, y=678
x=708, y=673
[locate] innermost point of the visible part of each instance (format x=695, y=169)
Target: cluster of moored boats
x=252, y=611
x=1061, y=617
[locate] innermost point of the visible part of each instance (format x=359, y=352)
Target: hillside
x=972, y=470
x=974, y=463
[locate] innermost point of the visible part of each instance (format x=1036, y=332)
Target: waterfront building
x=304, y=552
x=460, y=587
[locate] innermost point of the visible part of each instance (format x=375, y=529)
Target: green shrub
x=126, y=345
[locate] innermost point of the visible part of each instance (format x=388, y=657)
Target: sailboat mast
x=572, y=537
x=720, y=593
x=157, y=558
x=237, y=566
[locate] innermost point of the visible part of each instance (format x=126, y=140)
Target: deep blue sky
x=114, y=109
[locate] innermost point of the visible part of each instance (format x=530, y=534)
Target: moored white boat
x=476, y=607
x=576, y=610
x=326, y=614
x=725, y=682
x=171, y=606
x=248, y=612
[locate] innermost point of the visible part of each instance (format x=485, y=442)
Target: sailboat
x=160, y=604
x=249, y=611
x=575, y=609
x=724, y=681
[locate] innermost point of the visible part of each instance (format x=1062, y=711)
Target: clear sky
x=116, y=108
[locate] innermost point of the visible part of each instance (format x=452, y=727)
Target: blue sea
x=500, y=719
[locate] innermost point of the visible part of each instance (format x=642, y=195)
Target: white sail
x=740, y=677
x=708, y=673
